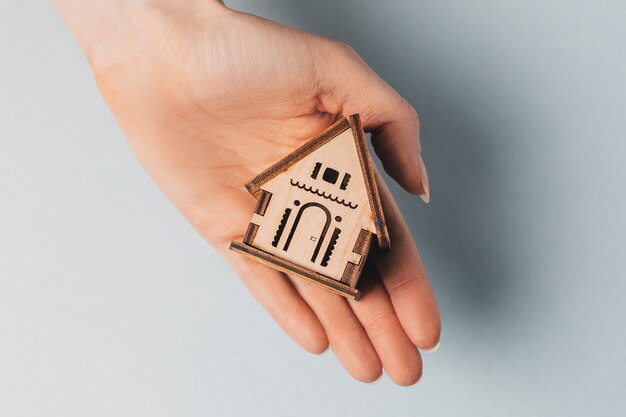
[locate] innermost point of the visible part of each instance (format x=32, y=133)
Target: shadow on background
x=467, y=235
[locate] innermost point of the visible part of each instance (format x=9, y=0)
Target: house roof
x=352, y=122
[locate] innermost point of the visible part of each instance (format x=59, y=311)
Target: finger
x=345, y=334
x=405, y=279
x=279, y=298
x=400, y=359
x=356, y=88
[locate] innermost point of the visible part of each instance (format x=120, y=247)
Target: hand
x=209, y=97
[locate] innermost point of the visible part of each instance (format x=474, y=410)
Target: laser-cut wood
x=317, y=209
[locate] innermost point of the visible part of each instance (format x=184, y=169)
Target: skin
x=208, y=97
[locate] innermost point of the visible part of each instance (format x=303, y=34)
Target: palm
x=205, y=117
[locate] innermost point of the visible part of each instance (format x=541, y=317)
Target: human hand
x=209, y=97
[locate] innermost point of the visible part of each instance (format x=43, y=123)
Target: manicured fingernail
x=432, y=349
x=425, y=196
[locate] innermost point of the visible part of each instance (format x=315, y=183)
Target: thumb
x=351, y=86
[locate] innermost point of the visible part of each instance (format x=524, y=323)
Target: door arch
x=296, y=223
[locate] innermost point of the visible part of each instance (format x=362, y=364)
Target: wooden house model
x=317, y=210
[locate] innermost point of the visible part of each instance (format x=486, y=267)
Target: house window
x=330, y=175
x=344, y=181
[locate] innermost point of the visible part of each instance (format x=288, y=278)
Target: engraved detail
x=323, y=194
x=331, y=247
x=297, y=221
x=344, y=181
x=330, y=175
x=316, y=170
x=281, y=227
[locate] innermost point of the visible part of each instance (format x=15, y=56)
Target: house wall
x=295, y=190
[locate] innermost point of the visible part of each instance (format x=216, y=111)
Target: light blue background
x=111, y=305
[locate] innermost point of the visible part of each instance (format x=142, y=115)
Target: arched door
x=308, y=231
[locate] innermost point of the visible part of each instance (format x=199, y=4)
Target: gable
x=339, y=150
x=331, y=172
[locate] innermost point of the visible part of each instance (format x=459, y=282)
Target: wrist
x=110, y=30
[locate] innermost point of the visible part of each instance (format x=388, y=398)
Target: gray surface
x=111, y=305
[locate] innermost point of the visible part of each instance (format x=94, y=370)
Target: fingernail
x=432, y=349
x=425, y=196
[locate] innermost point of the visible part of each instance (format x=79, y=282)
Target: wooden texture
x=353, y=123
x=370, y=182
x=248, y=238
x=317, y=209
x=263, y=201
x=253, y=186
x=293, y=269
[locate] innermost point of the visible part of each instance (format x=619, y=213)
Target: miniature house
x=317, y=210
